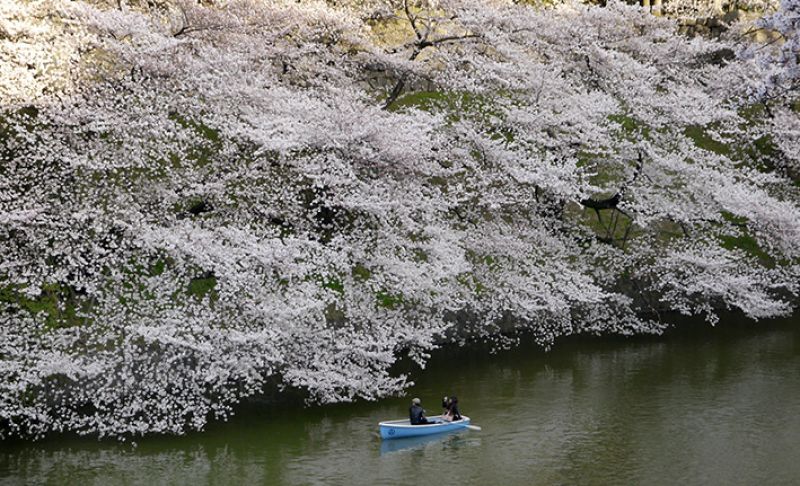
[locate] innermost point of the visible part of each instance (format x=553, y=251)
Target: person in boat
x=416, y=414
x=450, y=410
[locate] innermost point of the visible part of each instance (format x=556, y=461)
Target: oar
x=473, y=427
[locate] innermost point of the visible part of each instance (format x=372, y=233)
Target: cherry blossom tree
x=201, y=201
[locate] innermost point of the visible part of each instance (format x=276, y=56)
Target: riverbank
x=685, y=330
x=681, y=328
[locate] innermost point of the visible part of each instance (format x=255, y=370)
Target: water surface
x=693, y=407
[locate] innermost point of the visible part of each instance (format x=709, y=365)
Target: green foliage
x=335, y=315
x=334, y=284
x=765, y=146
x=608, y=225
x=753, y=113
x=158, y=267
x=702, y=140
x=59, y=304
x=470, y=281
x=361, y=272
x=481, y=259
x=455, y=103
x=420, y=256
x=732, y=218
x=438, y=181
x=388, y=300
x=749, y=245
x=203, y=286
x=631, y=128
x=744, y=241
x=209, y=141
x=424, y=100
x=200, y=128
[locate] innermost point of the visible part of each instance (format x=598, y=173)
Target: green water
x=693, y=407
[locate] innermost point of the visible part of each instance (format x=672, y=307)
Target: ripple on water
x=722, y=410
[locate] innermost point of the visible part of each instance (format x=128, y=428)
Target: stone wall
x=717, y=25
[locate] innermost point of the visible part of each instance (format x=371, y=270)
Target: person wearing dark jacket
x=452, y=409
x=416, y=414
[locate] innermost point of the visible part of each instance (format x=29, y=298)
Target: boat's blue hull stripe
x=397, y=431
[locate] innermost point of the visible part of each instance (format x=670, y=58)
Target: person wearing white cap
x=416, y=414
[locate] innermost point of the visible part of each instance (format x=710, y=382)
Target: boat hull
x=397, y=429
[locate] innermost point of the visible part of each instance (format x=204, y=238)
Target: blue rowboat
x=396, y=429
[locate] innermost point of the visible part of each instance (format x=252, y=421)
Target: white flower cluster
x=198, y=203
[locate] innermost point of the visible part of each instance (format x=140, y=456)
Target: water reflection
x=124, y=465
x=446, y=440
x=722, y=408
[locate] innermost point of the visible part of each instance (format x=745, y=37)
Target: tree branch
x=413, y=20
